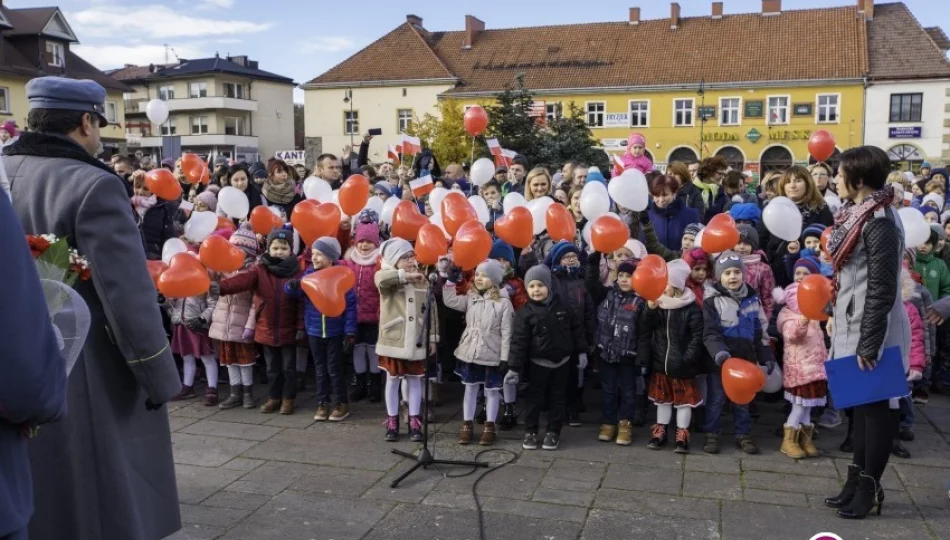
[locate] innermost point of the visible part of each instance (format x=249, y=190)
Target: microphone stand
x=425, y=458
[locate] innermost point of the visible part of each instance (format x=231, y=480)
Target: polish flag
x=494, y=147
x=619, y=161
x=506, y=158
x=421, y=186
x=393, y=153
x=411, y=145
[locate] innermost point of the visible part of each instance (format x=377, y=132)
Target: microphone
x=433, y=277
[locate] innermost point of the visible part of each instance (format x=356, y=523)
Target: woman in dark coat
x=280, y=189
x=709, y=181
x=669, y=213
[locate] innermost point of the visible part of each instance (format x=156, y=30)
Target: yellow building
x=763, y=82
x=36, y=42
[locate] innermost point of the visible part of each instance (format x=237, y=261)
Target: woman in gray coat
x=866, y=246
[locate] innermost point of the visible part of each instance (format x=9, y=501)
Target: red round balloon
x=651, y=277
x=560, y=223
x=814, y=293
x=608, y=234
x=516, y=227
x=720, y=235
x=821, y=145
x=824, y=239
x=476, y=121
x=353, y=194
x=192, y=166
x=741, y=380
x=327, y=289
x=471, y=245
x=163, y=184
x=431, y=244
x=263, y=221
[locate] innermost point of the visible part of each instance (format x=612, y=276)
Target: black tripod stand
x=425, y=458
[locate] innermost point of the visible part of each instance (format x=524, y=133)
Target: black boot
x=899, y=450
x=375, y=387
x=508, y=418
x=848, y=446
x=847, y=493
x=868, y=497
x=359, y=391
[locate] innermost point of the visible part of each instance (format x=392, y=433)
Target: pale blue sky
x=302, y=39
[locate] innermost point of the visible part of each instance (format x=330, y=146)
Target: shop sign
x=908, y=132
x=290, y=157
x=720, y=136
x=707, y=112
x=753, y=135
x=753, y=109
x=789, y=134
x=613, y=144
x=802, y=109
x=621, y=119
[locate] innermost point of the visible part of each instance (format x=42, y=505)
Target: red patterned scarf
x=849, y=222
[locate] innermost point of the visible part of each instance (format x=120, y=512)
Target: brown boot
x=270, y=406
x=790, y=445
x=806, y=435
x=287, y=406
x=467, y=433
x=488, y=434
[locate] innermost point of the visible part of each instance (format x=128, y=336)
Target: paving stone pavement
x=243, y=475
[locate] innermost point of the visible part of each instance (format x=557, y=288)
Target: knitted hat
x=501, y=250
x=693, y=229
x=394, y=249
x=791, y=297
x=815, y=230
x=749, y=235
x=220, y=160
x=329, y=247
x=213, y=188
x=596, y=176
x=696, y=257
x=934, y=198
x=808, y=263
x=280, y=234
x=727, y=260
x=169, y=163
x=926, y=165
x=368, y=232
x=678, y=272
x=929, y=210
x=559, y=250
x=10, y=127
x=259, y=173
x=385, y=187
x=245, y=239
x=745, y=212
x=492, y=269
x=636, y=138
x=368, y=215
x=538, y=273
x=627, y=267
x=209, y=199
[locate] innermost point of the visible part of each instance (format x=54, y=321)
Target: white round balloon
x=630, y=190
x=200, y=226
x=335, y=199
x=783, y=219
x=156, y=111
x=386, y=216
x=481, y=208
x=773, y=382
x=916, y=230
x=513, y=200
x=233, y=202
x=318, y=189
x=539, y=208
x=172, y=247
x=375, y=204
x=595, y=200
x=436, y=219
x=482, y=171
x=435, y=199
x=833, y=202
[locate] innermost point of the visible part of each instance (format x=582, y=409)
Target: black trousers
x=548, y=385
x=875, y=426
x=328, y=363
x=16, y=535
x=282, y=371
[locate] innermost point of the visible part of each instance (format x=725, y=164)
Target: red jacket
x=516, y=292
x=279, y=317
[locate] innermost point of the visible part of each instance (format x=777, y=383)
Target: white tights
x=241, y=376
x=364, y=357
x=470, y=402
x=664, y=415
x=190, y=368
x=413, y=395
x=800, y=415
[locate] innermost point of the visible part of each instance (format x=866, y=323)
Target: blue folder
x=850, y=386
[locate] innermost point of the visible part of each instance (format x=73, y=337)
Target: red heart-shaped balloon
x=814, y=293
x=185, y=277
x=456, y=211
x=431, y=244
x=720, y=235
x=353, y=194
x=163, y=184
x=263, y=221
x=651, y=277
x=560, y=223
x=220, y=255
x=608, y=234
x=313, y=220
x=327, y=289
x=741, y=380
x=407, y=221
x=155, y=269
x=471, y=245
x=205, y=174
x=516, y=227
x=192, y=167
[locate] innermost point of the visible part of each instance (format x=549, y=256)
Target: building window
x=56, y=54
x=403, y=119
x=234, y=90
x=729, y=114
x=778, y=110
x=198, y=89
x=234, y=126
x=683, y=112
x=639, y=113
x=4, y=99
x=111, y=112
x=828, y=108
x=351, y=122
x=906, y=107
x=168, y=128
x=166, y=92
x=595, y=113
x=552, y=111
x=199, y=125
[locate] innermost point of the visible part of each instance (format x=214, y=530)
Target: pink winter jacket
x=759, y=276
x=367, y=295
x=805, y=352
x=917, y=359
x=232, y=315
x=642, y=163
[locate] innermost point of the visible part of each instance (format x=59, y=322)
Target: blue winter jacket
x=33, y=381
x=318, y=324
x=670, y=223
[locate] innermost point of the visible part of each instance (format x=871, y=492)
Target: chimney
x=717, y=10
x=473, y=27
x=867, y=7
x=414, y=20
x=771, y=7
x=674, y=15
x=634, y=15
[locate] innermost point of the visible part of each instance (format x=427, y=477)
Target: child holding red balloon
x=672, y=340
x=363, y=259
x=190, y=319
x=734, y=325
x=804, y=379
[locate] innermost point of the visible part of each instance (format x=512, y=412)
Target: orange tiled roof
x=736, y=48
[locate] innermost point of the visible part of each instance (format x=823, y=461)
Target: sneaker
x=830, y=419
x=607, y=433
x=682, y=441
x=711, y=446
x=906, y=434
x=573, y=419
x=323, y=413
x=187, y=392
x=415, y=429
x=340, y=412
x=921, y=396
x=530, y=441
x=625, y=433
x=551, y=441
x=658, y=438
x=746, y=444
x=392, y=428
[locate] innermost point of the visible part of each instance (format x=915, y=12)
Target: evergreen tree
x=509, y=120
x=569, y=138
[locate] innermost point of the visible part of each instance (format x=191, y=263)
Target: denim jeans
x=715, y=401
x=619, y=385
x=328, y=365
x=907, y=413
x=282, y=371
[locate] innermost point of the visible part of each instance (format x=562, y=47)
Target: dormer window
x=56, y=54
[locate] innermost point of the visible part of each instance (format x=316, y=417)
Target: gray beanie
x=493, y=270
x=693, y=229
x=329, y=246
x=538, y=273
x=726, y=260
x=749, y=235
x=394, y=249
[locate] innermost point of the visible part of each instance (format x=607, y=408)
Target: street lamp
x=348, y=98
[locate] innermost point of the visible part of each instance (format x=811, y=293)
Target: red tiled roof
x=899, y=48
x=736, y=48
x=130, y=73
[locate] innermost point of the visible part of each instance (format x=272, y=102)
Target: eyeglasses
x=570, y=257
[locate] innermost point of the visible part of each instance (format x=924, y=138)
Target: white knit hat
x=394, y=249
x=934, y=198
x=678, y=272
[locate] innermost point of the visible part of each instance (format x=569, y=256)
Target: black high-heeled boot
x=847, y=493
x=508, y=418
x=848, y=446
x=868, y=497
